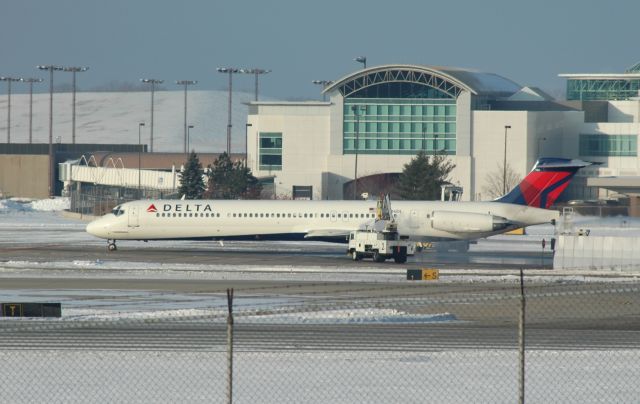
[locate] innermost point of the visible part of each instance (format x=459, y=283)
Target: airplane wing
x=339, y=233
x=327, y=233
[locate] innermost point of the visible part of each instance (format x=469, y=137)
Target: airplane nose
x=95, y=228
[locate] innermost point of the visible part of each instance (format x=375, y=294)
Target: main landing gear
x=111, y=245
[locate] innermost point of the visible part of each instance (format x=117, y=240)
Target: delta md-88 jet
x=527, y=204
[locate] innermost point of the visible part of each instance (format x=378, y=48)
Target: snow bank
x=29, y=205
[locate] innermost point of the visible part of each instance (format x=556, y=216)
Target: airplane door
x=133, y=216
x=414, y=220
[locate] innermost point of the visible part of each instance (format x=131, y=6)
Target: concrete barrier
x=597, y=253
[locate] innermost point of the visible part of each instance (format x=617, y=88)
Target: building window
x=602, y=89
x=270, y=151
x=608, y=145
x=399, y=126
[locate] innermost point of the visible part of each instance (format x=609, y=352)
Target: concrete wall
x=533, y=134
x=305, y=144
x=597, y=253
x=488, y=146
x=24, y=175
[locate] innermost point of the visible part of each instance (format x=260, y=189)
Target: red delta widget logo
x=152, y=208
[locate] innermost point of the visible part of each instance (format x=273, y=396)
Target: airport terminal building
x=378, y=119
x=374, y=121
x=609, y=132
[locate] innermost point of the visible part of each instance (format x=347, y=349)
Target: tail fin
x=544, y=184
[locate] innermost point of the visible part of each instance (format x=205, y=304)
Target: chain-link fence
x=410, y=342
x=97, y=200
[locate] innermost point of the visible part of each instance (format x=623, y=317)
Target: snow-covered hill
x=114, y=117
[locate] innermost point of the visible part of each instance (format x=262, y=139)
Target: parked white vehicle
x=380, y=245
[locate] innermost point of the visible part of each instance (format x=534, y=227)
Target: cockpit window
x=117, y=211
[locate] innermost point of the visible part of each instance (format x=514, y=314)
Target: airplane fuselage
x=323, y=220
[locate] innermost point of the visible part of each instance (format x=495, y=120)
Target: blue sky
x=124, y=40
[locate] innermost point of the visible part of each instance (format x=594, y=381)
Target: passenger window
x=289, y=215
x=174, y=215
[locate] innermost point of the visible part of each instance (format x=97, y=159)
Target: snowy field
x=460, y=377
x=442, y=376
x=105, y=117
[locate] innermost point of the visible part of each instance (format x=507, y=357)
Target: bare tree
x=495, y=181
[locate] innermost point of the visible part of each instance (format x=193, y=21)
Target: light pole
x=356, y=111
x=185, y=83
x=324, y=84
x=504, y=162
x=31, y=81
x=255, y=71
x=246, y=142
x=50, y=69
x=153, y=83
x=361, y=59
x=140, y=125
x=189, y=135
x=230, y=71
x=9, y=80
x=540, y=147
x=73, y=71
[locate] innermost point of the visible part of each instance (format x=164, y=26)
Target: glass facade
x=603, y=90
x=270, y=151
x=400, y=125
x=608, y=145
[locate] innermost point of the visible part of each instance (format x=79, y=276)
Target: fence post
x=230, y=346
x=521, y=340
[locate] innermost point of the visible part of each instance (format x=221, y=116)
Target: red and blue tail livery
x=544, y=184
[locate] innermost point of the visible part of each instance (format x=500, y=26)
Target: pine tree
x=229, y=180
x=422, y=177
x=191, y=180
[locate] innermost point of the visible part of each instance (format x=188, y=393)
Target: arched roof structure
x=448, y=80
x=634, y=69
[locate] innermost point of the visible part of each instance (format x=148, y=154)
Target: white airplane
x=527, y=204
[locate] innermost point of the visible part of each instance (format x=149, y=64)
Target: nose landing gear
x=111, y=245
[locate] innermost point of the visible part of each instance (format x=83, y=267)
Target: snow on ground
x=465, y=376
x=17, y=205
x=451, y=376
x=26, y=222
